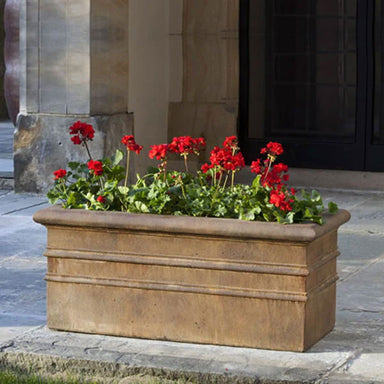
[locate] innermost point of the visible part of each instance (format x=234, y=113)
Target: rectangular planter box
x=200, y=280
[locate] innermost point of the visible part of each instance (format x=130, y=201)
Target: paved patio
x=352, y=353
x=6, y=154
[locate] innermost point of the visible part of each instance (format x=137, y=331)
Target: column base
x=42, y=145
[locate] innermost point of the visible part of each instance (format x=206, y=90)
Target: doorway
x=312, y=79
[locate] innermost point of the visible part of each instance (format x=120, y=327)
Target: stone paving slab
x=352, y=353
x=122, y=356
x=21, y=203
x=22, y=265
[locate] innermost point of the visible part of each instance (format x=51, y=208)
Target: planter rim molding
x=209, y=226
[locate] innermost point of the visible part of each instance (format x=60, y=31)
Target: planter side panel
x=190, y=287
x=177, y=316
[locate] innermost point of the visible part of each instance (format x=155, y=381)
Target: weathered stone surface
x=22, y=265
x=213, y=121
x=10, y=62
x=210, y=69
x=74, y=57
x=109, y=56
x=179, y=275
x=42, y=145
x=210, y=17
x=205, y=101
x=352, y=353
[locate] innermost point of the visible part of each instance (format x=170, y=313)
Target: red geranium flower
x=256, y=166
x=224, y=158
x=82, y=132
x=272, y=149
x=59, y=174
x=101, y=199
x=130, y=143
x=230, y=142
x=184, y=145
x=159, y=151
x=281, y=200
x=95, y=166
x=206, y=167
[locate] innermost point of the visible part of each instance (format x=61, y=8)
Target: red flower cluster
x=271, y=175
x=83, y=132
x=274, y=176
x=159, y=151
x=130, y=143
x=184, y=145
x=231, y=143
x=226, y=158
x=96, y=167
x=59, y=174
x=272, y=149
x=281, y=200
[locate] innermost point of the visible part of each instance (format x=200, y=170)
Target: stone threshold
x=6, y=181
x=327, y=179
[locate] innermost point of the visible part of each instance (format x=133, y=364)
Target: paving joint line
x=347, y=361
x=363, y=268
x=24, y=208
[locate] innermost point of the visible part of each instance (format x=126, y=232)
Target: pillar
x=74, y=66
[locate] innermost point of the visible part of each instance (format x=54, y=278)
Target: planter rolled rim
x=209, y=226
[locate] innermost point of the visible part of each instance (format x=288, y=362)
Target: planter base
x=201, y=280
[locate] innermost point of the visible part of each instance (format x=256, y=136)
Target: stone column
x=74, y=66
x=9, y=62
x=205, y=55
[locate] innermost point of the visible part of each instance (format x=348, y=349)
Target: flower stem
x=268, y=169
x=232, y=180
x=186, y=162
x=225, y=181
x=183, y=191
x=127, y=170
x=86, y=147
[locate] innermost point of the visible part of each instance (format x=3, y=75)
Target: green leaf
x=248, y=216
x=118, y=157
x=123, y=190
x=73, y=165
x=141, y=207
x=332, y=207
x=287, y=219
x=316, y=196
x=256, y=182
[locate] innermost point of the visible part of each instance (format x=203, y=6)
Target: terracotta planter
x=201, y=280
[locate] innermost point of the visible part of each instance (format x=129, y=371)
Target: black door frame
x=359, y=155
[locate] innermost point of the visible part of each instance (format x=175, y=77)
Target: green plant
x=210, y=192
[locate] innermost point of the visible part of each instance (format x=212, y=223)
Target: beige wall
x=148, y=91
x=183, y=70
x=209, y=54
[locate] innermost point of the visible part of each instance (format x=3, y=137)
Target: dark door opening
x=312, y=79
